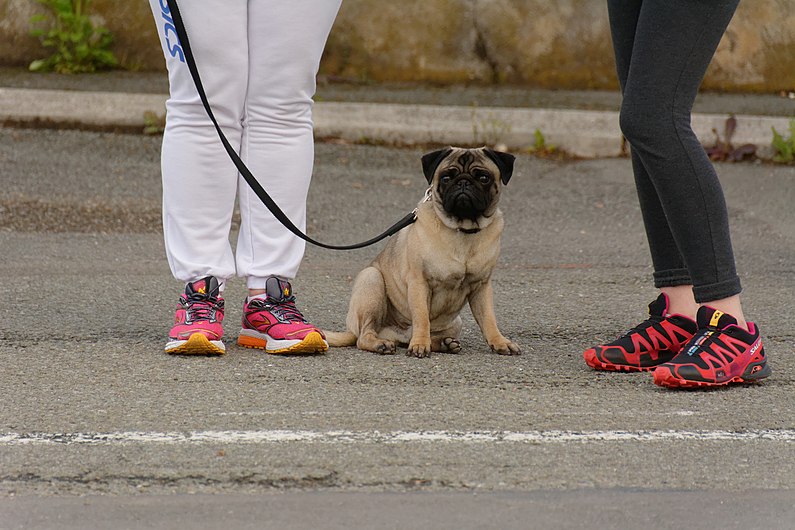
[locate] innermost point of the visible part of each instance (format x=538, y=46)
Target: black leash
x=266, y=199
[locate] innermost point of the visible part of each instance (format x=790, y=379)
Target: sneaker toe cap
x=690, y=373
x=591, y=358
x=675, y=376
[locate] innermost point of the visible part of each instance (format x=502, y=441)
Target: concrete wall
x=563, y=44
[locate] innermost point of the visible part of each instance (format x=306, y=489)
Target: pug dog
x=413, y=292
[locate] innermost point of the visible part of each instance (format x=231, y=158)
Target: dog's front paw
x=419, y=349
x=506, y=347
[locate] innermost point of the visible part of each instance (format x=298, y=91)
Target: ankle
x=731, y=306
x=681, y=301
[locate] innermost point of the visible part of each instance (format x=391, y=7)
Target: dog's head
x=465, y=184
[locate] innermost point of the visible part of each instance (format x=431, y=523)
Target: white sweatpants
x=258, y=60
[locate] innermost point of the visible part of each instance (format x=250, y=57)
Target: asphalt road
x=92, y=407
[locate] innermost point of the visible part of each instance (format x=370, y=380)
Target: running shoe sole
x=593, y=360
x=197, y=344
x=665, y=378
x=312, y=343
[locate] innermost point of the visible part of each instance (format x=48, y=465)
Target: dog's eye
x=445, y=178
x=483, y=177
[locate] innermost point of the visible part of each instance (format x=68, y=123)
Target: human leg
x=652, y=41
x=199, y=180
x=670, y=272
x=669, y=266
x=286, y=40
x=641, y=30
x=671, y=321
x=674, y=43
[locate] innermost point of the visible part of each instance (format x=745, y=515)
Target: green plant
x=784, y=147
x=154, y=124
x=77, y=45
x=541, y=148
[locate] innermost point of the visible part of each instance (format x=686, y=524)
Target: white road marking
x=396, y=437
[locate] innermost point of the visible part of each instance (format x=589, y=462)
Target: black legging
x=662, y=49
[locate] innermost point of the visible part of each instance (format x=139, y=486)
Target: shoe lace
x=643, y=326
x=284, y=309
x=200, y=306
x=700, y=341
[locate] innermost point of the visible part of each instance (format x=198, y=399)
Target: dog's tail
x=340, y=338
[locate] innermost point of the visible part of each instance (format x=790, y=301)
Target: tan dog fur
x=414, y=290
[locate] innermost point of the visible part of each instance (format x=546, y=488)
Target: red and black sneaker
x=651, y=343
x=720, y=353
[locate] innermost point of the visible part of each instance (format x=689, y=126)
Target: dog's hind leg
x=368, y=310
x=445, y=345
x=446, y=340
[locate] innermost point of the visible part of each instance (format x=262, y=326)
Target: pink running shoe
x=272, y=322
x=197, y=324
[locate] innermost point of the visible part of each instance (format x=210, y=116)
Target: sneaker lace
x=700, y=341
x=643, y=326
x=200, y=306
x=283, y=309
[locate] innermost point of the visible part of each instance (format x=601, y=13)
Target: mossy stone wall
x=563, y=44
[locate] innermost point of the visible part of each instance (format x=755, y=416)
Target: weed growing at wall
x=724, y=150
x=154, y=124
x=784, y=146
x=542, y=149
x=77, y=45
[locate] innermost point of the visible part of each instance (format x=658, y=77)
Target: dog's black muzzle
x=465, y=199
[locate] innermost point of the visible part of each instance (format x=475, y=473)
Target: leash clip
x=425, y=198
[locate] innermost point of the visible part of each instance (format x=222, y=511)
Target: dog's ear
x=431, y=161
x=504, y=163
